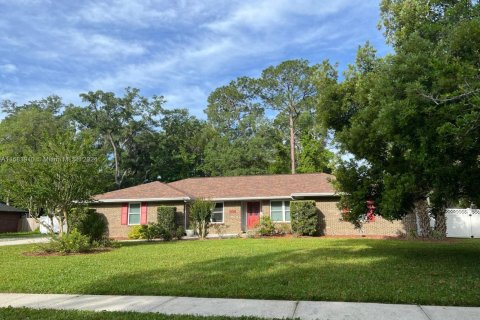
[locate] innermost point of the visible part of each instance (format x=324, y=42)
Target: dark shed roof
x=5, y=208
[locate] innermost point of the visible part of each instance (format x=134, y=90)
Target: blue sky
x=179, y=49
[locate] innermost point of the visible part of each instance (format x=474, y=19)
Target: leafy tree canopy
x=411, y=119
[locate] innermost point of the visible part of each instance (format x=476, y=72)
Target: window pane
x=217, y=214
x=134, y=213
x=276, y=213
x=135, y=208
x=134, y=219
x=287, y=211
x=276, y=205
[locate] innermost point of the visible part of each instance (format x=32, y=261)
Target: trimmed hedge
x=166, y=218
x=304, y=217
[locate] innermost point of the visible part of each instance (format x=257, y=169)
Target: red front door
x=253, y=214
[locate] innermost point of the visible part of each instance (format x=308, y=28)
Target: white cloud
x=84, y=46
x=195, y=100
x=179, y=64
x=101, y=45
x=8, y=68
x=268, y=14
x=137, y=13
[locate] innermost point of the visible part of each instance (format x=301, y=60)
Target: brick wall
x=331, y=224
x=232, y=218
x=113, y=212
x=330, y=220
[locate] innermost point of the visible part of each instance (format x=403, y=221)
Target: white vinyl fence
x=46, y=225
x=463, y=223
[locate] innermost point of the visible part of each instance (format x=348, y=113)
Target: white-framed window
x=280, y=210
x=134, y=213
x=217, y=213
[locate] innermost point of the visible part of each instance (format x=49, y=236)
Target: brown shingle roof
x=256, y=186
x=152, y=190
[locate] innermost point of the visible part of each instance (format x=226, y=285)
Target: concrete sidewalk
x=17, y=241
x=308, y=310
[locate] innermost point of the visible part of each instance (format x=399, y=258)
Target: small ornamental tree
x=304, y=217
x=64, y=170
x=201, y=213
x=166, y=218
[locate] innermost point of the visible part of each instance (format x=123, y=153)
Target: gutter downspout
x=185, y=213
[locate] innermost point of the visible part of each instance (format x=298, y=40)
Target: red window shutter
x=124, y=219
x=143, y=213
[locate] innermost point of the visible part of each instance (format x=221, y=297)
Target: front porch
x=242, y=216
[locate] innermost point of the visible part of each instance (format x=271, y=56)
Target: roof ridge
x=154, y=184
x=177, y=189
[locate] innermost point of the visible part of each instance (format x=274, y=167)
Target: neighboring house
x=9, y=218
x=239, y=203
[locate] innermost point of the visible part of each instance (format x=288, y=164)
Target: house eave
x=292, y=196
x=314, y=194
x=250, y=198
x=141, y=200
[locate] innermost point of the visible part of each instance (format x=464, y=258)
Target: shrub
x=89, y=222
x=180, y=232
x=220, y=229
x=166, y=218
x=200, y=213
x=266, y=227
x=135, y=233
x=304, y=217
x=73, y=242
x=166, y=235
x=151, y=231
x=283, y=228
x=106, y=243
x=95, y=226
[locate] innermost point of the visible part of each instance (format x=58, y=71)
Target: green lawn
x=394, y=271
x=32, y=314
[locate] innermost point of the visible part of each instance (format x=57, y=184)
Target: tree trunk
x=202, y=229
x=60, y=224
x=292, y=143
x=441, y=222
x=421, y=212
x=118, y=180
x=65, y=216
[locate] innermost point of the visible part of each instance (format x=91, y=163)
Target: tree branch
x=438, y=101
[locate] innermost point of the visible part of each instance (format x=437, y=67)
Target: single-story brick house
x=9, y=218
x=240, y=202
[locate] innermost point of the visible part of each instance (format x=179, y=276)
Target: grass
x=26, y=234
x=34, y=314
x=389, y=271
